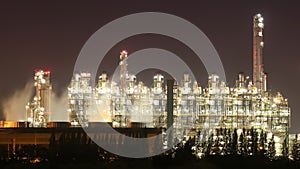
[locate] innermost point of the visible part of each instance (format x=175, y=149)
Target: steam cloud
x=14, y=107
x=59, y=107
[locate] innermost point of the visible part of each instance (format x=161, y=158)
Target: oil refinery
x=207, y=113
x=37, y=111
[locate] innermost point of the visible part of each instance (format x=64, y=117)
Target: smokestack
x=123, y=73
x=170, y=108
x=258, y=70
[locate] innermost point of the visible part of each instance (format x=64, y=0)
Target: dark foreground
x=72, y=149
x=93, y=157
x=215, y=162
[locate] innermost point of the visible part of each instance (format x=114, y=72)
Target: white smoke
x=14, y=106
x=59, y=107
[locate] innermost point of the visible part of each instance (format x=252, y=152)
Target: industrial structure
x=259, y=76
x=248, y=104
x=38, y=110
x=248, y=107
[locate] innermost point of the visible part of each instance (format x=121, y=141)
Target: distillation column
x=38, y=111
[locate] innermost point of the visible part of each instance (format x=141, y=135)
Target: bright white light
x=261, y=44
x=276, y=100
x=115, y=124
x=239, y=131
x=74, y=123
x=261, y=19
x=43, y=81
x=276, y=139
x=199, y=154
x=261, y=25
x=269, y=135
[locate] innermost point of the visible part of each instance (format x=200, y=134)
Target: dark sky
x=50, y=35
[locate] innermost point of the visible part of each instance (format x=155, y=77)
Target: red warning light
x=124, y=52
x=47, y=72
x=38, y=72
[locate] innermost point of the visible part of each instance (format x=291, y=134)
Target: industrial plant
x=37, y=111
x=248, y=104
x=212, y=115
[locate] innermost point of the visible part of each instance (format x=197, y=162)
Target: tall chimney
x=258, y=70
x=170, y=109
x=123, y=73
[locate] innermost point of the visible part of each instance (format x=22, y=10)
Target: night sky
x=50, y=35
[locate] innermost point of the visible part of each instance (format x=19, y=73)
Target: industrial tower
x=123, y=73
x=38, y=111
x=259, y=76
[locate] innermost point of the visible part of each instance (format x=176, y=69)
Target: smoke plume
x=14, y=106
x=59, y=107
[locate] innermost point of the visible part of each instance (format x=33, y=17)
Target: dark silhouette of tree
x=242, y=144
x=227, y=141
x=271, y=149
x=285, y=148
x=262, y=141
x=296, y=149
x=254, y=139
x=234, y=144
x=208, y=145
